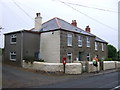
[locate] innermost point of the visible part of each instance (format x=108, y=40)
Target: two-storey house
x=52, y=41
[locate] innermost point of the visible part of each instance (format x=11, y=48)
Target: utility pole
x=1, y=34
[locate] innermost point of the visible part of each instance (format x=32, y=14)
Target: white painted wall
x=71, y=68
x=109, y=65
x=92, y=68
x=50, y=46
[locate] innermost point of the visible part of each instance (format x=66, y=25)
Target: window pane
x=69, y=57
x=69, y=40
x=13, y=56
x=13, y=39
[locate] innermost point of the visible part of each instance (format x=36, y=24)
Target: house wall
x=101, y=54
x=31, y=44
x=50, y=46
x=27, y=44
x=12, y=48
x=74, y=49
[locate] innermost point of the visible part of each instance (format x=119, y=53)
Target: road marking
x=115, y=88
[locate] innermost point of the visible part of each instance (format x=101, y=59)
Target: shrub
x=29, y=59
x=40, y=60
x=108, y=59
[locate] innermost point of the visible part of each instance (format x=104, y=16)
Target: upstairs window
x=79, y=41
x=69, y=39
x=88, y=41
x=13, y=56
x=96, y=46
x=13, y=39
x=102, y=46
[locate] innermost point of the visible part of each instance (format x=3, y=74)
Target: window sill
x=13, y=60
x=13, y=43
x=69, y=45
x=79, y=46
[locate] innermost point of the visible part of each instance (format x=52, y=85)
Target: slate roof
x=57, y=23
x=100, y=40
x=60, y=24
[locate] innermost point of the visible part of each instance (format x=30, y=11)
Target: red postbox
x=64, y=60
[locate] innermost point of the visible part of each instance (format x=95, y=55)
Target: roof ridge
x=48, y=20
x=59, y=26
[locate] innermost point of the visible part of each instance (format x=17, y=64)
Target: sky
x=17, y=15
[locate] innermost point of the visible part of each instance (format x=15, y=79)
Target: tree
x=118, y=55
x=112, y=52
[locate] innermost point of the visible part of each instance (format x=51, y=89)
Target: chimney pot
x=74, y=23
x=87, y=29
x=38, y=21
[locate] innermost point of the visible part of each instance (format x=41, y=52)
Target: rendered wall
x=71, y=68
x=50, y=46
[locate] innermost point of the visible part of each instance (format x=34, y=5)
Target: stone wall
x=109, y=65
x=71, y=68
x=92, y=68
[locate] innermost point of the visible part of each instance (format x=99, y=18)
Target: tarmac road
x=99, y=81
x=19, y=78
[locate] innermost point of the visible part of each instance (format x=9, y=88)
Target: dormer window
x=13, y=39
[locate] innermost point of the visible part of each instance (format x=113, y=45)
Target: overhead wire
x=90, y=7
x=73, y=9
x=88, y=16
x=16, y=14
x=24, y=11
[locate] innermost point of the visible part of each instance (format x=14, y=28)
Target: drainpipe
x=39, y=56
x=21, y=48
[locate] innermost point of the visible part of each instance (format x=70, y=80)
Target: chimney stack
x=38, y=21
x=87, y=29
x=74, y=23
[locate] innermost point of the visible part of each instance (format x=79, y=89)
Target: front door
x=69, y=57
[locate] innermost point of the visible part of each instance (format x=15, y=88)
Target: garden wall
x=71, y=68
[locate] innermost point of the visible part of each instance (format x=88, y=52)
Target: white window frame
x=79, y=41
x=96, y=46
x=69, y=54
x=88, y=41
x=69, y=39
x=12, y=37
x=102, y=44
x=88, y=56
x=12, y=53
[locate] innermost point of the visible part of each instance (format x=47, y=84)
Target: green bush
x=29, y=59
x=40, y=60
x=108, y=59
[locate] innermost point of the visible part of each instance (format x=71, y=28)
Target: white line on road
x=115, y=87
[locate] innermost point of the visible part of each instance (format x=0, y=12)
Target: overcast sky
x=104, y=24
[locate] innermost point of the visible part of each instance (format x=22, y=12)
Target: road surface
x=18, y=78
